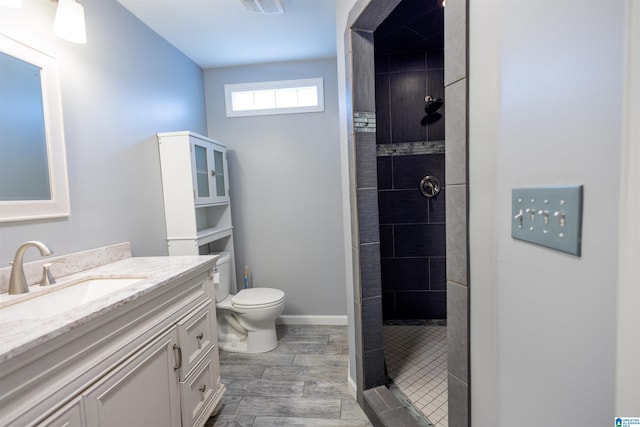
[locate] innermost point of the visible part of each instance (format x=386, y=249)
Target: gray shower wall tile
x=370, y=270
x=386, y=241
x=455, y=41
x=366, y=18
x=436, y=121
x=407, y=61
x=407, y=106
x=363, y=71
x=374, y=368
x=366, y=160
x=405, y=274
x=383, y=109
x=438, y=274
x=458, y=402
x=408, y=171
x=457, y=243
x=368, y=215
x=355, y=267
x=403, y=207
x=435, y=59
x=416, y=303
x=420, y=240
x=385, y=172
x=456, y=130
x=372, y=324
x=360, y=378
x=437, y=207
x=388, y=305
x=353, y=200
x=458, y=330
x=382, y=64
x=358, y=327
x=435, y=83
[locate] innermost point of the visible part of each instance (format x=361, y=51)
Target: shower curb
x=385, y=409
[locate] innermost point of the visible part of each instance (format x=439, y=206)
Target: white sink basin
x=57, y=300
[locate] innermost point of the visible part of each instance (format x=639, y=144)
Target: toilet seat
x=255, y=298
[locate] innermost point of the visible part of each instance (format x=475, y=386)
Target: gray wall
x=546, y=93
x=285, y=184
x=118, y=90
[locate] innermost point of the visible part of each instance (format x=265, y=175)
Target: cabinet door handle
x=202, y=388
x=200, y=336
x=178, y=352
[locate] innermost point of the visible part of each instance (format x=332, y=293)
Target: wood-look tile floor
x=303, y=382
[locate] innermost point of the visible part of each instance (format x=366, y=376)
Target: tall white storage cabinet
x=195, y=184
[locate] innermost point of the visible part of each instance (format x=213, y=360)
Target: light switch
x=548, y=216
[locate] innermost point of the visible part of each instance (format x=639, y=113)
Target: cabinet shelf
x=211, y=234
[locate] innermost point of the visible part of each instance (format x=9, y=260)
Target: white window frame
x=229, y=89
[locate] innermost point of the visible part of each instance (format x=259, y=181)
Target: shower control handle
x=430, y=186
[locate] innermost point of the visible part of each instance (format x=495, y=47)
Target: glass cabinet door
x=202, y=171
x=202, y=176
x=209, y=172
x=218, y=161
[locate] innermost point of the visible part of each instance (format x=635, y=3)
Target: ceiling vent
x=267, y=7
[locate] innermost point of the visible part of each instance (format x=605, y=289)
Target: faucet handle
x=47, y=278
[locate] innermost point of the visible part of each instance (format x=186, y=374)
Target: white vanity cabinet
x=69, y=416
x=151, y=362
x=142, y=391
x=195, y=187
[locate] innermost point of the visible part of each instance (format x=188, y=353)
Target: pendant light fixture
x=69, y=22
x=11, y=3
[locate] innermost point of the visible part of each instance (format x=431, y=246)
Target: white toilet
x=246, y=320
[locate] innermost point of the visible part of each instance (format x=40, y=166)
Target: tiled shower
x=408, y=35
x=410, y=145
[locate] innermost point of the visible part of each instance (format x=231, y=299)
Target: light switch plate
x=548, y=216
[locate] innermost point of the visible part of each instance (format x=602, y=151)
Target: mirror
x=33, y=170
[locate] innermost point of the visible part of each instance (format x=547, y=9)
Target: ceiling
x=222, y=33
x=414, y=25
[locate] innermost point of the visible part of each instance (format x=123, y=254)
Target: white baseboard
x=311, y=320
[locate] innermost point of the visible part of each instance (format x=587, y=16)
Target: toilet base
x=255, y=342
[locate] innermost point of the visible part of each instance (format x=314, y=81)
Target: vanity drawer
x=200, y=391
x=195, y=338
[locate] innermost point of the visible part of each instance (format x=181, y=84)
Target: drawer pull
x=200, y=336
x=178, y=352
x=202, y=388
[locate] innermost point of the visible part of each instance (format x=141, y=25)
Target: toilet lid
x=257, y=297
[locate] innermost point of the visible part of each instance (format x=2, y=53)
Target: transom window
x=277, y=97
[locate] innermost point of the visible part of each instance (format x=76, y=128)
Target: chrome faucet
x=17, y=281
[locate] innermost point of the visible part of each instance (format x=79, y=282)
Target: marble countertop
x=19, y=336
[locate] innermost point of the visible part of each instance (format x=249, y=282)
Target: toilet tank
x=223, y=267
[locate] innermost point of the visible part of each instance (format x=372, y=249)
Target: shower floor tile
x=416, y=358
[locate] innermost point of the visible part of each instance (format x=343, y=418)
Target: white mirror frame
x=58, y=205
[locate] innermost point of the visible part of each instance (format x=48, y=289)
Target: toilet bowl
x=246, y=320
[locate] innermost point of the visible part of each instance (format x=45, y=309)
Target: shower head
x=433, y=104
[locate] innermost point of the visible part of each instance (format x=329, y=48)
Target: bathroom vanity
x=145, y=354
